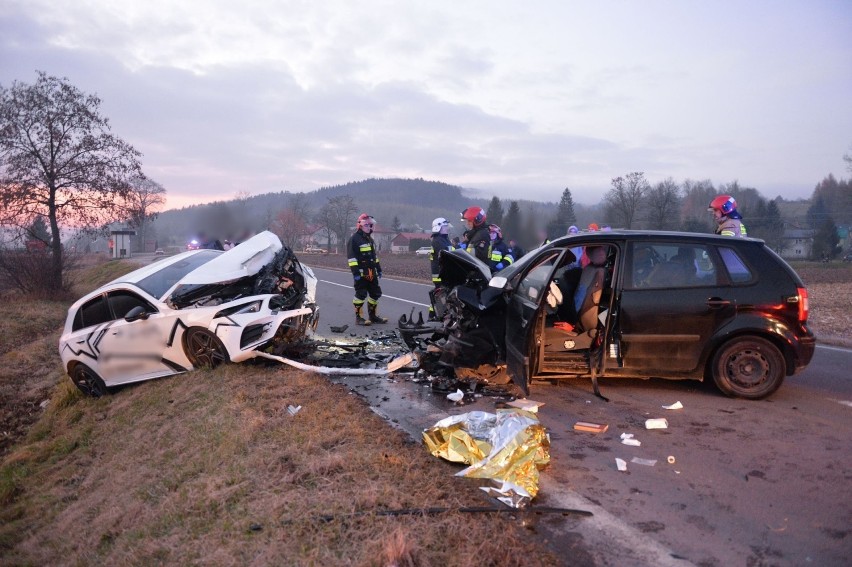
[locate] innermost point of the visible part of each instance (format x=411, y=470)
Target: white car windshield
x=161, y=281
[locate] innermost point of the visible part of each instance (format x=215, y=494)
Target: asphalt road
x=752, y=483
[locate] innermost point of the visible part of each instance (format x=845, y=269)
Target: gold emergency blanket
x=510, y=445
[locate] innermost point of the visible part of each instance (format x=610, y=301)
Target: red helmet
x=724, y=203
x=474, y=214
x=365, y=221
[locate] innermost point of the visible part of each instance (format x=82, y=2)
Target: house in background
x=401, y=243
x=796, y=244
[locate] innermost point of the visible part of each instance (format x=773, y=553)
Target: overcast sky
x=517, y=99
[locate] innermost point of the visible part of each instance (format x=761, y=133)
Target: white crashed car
x=195, y=309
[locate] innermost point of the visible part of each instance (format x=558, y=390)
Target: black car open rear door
x=523, y=311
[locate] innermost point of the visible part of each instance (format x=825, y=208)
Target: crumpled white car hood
x=244, y=260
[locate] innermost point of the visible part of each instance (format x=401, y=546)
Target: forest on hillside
x=409, y=205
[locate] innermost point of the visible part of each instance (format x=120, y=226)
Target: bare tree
x=143, y=204
x=337, y=217
x=291, y=223
x=663, y=205
x=58, y=160
x=625, y=199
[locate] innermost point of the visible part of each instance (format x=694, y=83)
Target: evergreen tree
x=38, y=231
x=826, y=241
x=817, y=213
x=396, y=225
x=494, y=213
x=512, y=222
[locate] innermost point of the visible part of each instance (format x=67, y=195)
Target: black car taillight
x=803, y=304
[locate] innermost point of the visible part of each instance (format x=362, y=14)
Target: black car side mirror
x=135, y=314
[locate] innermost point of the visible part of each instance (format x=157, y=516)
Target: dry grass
x=211, y=468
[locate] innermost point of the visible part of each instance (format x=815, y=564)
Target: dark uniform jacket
x=363, y=261
x=479, y=242
x=499, y=254
x=439, y=242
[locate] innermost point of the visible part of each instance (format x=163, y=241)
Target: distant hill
x=415, y=202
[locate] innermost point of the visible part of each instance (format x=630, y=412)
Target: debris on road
x=340, y=329
x=456, y=396
x=674, y=406
x=293, y=410
x=621, y=464
x=656, y=423
x=526, y=405
x=590, y=427
x=646, y=462
x=627, y=439
x=670, y=459
x=508, y=493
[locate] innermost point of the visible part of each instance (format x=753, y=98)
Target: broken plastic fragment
x=621, y=464
x=527, y=405
x=456, y=396
x=632, y=442
x=656, y=423
x=401, y=362
x=646, y=462
x=293, y=410
x=508, y=493
x=590, y=427
x=676, y=405
x=671, y=459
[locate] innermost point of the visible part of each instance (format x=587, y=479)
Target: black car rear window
x=93, y=312
x=737, y=268
x=159, y=282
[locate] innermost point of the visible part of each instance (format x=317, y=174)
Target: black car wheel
x=749, y=367
x=88, y=381
x=204, y=349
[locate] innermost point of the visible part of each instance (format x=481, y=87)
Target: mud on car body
x=198, y=308
x=630, y=304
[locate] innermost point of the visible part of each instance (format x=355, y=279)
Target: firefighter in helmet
x=499, y=255
x=440, y=241
x=476, y=237
x=728, y=219
x=366, y=271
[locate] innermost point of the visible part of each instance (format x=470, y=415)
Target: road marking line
x=838, y=349
x=844, y=403
x=383, y=296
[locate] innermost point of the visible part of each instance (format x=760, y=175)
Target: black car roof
x=630, y=235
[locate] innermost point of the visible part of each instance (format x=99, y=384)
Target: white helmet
x=440, y=224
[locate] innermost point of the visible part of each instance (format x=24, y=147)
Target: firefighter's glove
x=499, y=266
x=357, y=277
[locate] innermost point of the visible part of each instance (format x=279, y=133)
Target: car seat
x=586, y=301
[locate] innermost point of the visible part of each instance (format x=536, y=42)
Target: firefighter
x=366, y=271
x=476, y=236
x=499, y=255
x=440, y=241
x=728, y=219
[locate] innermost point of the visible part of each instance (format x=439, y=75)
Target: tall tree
x=494, y=213
x=337, y=216
x=291, y=223
x=626, y=198
x=663, y=205
x=565, y=216
x=59, y=161
x=396, y=225
x=512, y=223
x=826, y=241
x=142, y=205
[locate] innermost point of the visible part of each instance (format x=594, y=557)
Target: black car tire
x=749, y=367
x=88, y=381
x=203, y=348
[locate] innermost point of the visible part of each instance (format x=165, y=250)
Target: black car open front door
x=523, y=312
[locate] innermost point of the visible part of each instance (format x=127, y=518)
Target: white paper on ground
x=621, y=464
x=456, y=396
x=632, y=442
x=646, y=462
x=676, y=405
x=656, y=423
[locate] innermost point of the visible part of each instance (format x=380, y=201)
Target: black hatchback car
x=632, y=304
